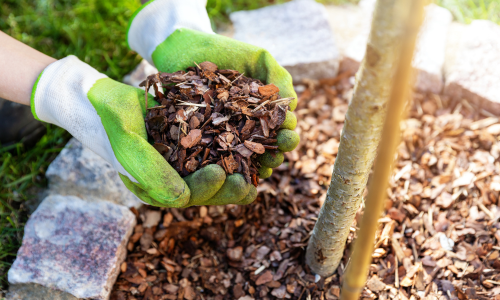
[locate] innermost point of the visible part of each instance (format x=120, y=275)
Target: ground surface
x=437, y=238
x=95, y=32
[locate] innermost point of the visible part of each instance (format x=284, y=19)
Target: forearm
x=20, y=66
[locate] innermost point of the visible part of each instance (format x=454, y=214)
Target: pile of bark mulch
x=437, y=239
x=211, y=116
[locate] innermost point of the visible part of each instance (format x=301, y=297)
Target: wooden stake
x=411, y=14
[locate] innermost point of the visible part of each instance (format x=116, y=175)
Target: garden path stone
x=351, y=26
x=430, y=49
x=74, y=246
x=471, y=68
x=78, y=171
x=296, y=33
x=36, y=291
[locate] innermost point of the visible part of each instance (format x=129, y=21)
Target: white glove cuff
x=160, y=18
x=62, y=91
x=61, y=98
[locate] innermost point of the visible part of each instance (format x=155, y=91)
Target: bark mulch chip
x=438, y=238
x=211, y=116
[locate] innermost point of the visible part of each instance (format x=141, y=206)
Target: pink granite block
x=74, y=246
x=472, y=68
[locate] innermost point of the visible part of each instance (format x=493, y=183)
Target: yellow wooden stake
x=410, y=13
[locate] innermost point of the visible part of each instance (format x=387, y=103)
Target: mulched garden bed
x=437, y=239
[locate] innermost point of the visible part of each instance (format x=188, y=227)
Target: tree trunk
x=355, y=277
x=359, y=141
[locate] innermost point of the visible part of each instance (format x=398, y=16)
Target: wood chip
x=192, y=139
x=255, y=147
x=244, y=151
x=230, y=164
x=268, y=90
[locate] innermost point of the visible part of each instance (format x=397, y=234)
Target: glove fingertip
x=205, y=183
x=290, y=121
x=265, y=172
x=250, y=197
x=287, y=140
x=272, y=159
x=232, y=191
x=180, y=200
x=293, y=104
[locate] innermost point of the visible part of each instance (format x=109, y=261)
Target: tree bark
x=359, y=141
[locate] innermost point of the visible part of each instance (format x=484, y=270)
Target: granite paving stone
x=296, y=33
x=32, y=291
x=74, y=246
x=430, y=49
x=472, y=68
x=351, y=26
x=78, y=171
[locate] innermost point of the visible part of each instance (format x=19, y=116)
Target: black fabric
x=17, y=124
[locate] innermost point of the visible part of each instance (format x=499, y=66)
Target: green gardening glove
x=173, y=35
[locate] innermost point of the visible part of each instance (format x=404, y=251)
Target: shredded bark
x=206, y=116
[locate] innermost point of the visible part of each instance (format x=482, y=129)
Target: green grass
x=94, y=30
x=21, y=179
x=465, y=11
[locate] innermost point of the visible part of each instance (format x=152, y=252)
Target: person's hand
x=173, y=35
x=108, y=117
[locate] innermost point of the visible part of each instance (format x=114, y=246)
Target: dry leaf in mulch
x=438, y=238
x=211, y=116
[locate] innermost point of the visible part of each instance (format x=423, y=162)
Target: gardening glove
x=173, y=35
x=108, y=117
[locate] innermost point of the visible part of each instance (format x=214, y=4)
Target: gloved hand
x=108, y=117
x=173, y=35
